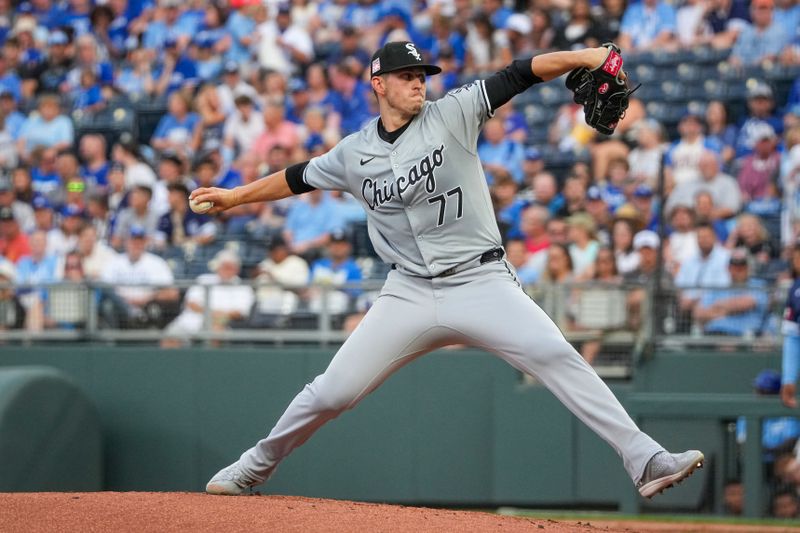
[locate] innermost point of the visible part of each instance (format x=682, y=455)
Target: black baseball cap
x=399, y=55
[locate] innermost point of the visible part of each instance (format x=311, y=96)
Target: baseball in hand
x=200, y=207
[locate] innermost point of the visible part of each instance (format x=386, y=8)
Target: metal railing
x=616, y=323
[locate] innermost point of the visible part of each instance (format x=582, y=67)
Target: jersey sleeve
x=327, y=171
x=464, y=111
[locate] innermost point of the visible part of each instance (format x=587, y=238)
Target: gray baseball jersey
x=427, y=202
x=429, y=211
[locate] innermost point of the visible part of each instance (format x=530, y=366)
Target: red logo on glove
x=613, y=63
x=603, y=88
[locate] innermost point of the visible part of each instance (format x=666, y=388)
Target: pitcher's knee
x=332, y=397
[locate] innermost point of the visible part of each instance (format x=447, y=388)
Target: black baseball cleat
x=666, y=469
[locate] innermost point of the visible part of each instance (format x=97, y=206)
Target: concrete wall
x=453, y=427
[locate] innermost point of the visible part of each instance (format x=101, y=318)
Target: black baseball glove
x=603, y=91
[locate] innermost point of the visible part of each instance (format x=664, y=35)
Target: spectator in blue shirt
x=709, y=268
x=168, y=25
x=762, y=40
x=508, y=207
x=87, y=57
x=13, y=118
x=242, y=28
x=9, y=81
x=37, y=268
x=47, y=128
x=760, y=109
x=353, y=104
x=207, y=61
x=738, y=310
x=76, y=16
x=500, y=154
x=648, y=25
x=791, y=336
x=309, y=223
x=89, y=97
x=175, y=71
x=176, y=129
x=181, y=226
x=94, y=170
x=336, y=269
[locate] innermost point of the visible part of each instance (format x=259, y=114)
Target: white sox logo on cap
x=412, y=50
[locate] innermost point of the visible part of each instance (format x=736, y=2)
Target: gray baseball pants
x=483, y=307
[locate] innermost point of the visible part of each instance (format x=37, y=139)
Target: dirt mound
x=166, y=512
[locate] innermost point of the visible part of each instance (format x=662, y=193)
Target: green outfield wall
x=453, y=427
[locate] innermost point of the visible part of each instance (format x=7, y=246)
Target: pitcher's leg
x=500, y=317
x=394, y=331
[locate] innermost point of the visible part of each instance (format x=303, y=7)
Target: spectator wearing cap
x=518, y=28
x=13, y=241
x=94, y=253
x=499, y=154
x=12, y=313
x=47, y=128
x=45, y=219
x=762, y=40
x=219, y=294
x=283, y=46
x=22, y=211
x=724, y=189
x=36, y=268
x=740, y=308
x=645, y=244
x=682, y=161
x=176, y=129
x=643, y=200
x=73, y=218
x=532, y=165
x=137, y=172
x=94, y=171
x=207, y=61
x=298, y=100
x=181, y=226
x=50, y=74
x=277, y=130
x=648, y=25
x=279, y=276
x=707, y=268
x=682, y=241
x=176, y=71
x=759, y=171
x=137, y=279
x=233, y=86
x=336, y=270
x=137, y=215
x=309, y=223
x=760, y=109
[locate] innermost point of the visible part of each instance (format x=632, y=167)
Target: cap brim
x=430, y=70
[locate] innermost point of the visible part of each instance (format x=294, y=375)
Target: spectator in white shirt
x=227, y=299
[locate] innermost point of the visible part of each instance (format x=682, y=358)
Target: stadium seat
x=111, y=122
x=148, y=114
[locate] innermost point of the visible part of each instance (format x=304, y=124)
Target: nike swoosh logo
x=365, y=161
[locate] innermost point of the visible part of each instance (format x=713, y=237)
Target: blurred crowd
x=112, y=112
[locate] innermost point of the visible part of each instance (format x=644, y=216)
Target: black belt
x=495, y=254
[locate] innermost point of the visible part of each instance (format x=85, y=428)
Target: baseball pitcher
x=416, y=172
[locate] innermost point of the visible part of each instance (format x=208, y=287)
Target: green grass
x=607, y=515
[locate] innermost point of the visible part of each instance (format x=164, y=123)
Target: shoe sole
x=222, y=490
x=659, y=485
